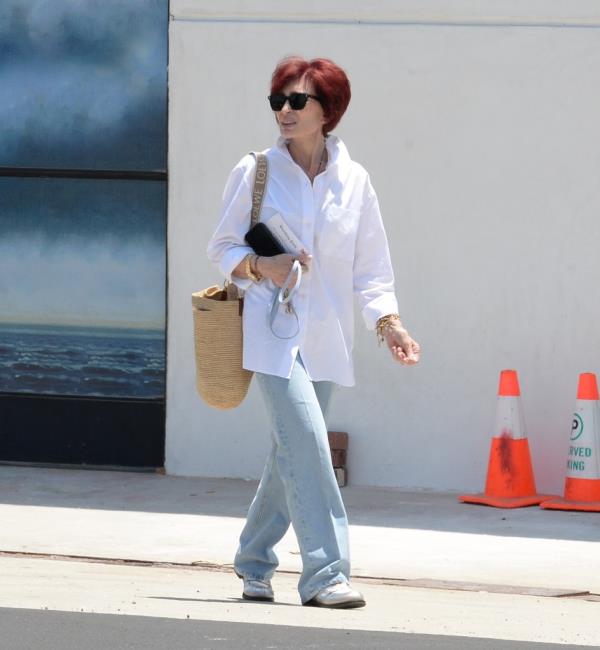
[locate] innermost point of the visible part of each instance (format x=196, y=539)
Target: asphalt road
x=24, y=629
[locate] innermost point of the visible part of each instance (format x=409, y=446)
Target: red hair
x=329, y=80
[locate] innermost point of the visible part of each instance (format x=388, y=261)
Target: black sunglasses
x=297, y=100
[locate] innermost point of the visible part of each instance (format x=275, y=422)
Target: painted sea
x=86, y=361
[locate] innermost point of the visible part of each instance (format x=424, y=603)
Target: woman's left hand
x=403, y=347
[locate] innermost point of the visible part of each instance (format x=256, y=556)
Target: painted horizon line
x=116, y=325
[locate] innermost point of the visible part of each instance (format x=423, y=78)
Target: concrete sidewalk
x=394, y=534
x=198, y=594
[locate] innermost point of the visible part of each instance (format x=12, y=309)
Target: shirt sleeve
x=227, y=247
x=373, y=272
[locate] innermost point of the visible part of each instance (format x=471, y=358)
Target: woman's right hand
x=278, y=267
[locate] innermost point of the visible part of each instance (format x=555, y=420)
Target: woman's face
x=303, y=123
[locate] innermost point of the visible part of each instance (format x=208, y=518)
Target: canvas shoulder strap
x=260, y=183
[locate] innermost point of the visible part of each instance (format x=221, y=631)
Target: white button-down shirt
x=337, y=219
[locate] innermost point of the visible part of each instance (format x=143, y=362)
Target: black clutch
x=263, y=241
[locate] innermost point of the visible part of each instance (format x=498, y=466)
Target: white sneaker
x=258, y=590
x=338, y=596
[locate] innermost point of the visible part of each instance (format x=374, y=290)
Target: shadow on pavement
x=367, y=506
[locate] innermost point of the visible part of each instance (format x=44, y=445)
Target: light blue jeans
x=298, y=485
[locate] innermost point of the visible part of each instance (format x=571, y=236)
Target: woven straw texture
x=218, y=344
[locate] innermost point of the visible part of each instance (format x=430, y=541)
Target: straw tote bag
x=221, y=380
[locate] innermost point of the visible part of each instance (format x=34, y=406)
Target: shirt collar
x=336, y=150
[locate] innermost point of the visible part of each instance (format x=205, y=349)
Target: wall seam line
x=408, y=22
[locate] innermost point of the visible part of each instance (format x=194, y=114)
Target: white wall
x=478, y=122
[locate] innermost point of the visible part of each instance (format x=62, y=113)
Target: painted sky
x=83, y=84
x=82, y=252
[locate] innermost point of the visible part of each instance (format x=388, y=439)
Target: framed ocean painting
x=83, y=222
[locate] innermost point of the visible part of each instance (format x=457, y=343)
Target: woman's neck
x=309, y=153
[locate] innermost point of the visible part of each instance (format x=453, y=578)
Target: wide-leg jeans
x=298, y=486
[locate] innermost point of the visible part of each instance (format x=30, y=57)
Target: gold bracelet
x=248, y=269
x=386, y=323
x=256, y=272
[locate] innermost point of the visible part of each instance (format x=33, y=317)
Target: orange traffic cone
x=582, y=485
x=510, y=482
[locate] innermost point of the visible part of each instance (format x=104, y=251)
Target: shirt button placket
x=308, y=212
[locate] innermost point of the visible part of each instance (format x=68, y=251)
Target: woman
x=328, y=202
